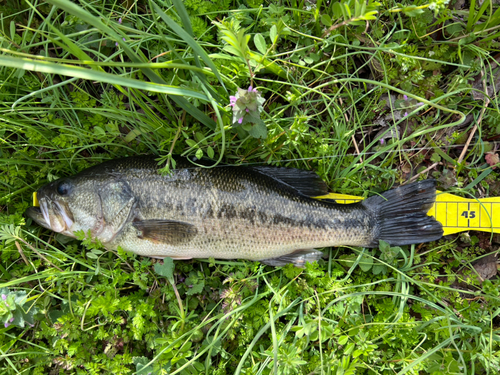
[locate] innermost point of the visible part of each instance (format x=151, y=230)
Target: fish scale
x=256, y=213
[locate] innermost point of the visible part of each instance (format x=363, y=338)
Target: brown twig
x=424, y=171
x=473, y=131
x=352, y=136
x=22, y=253
x=333, y=27
x=160, y=55
x=37, y=253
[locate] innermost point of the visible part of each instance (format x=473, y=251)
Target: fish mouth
x=45, y=211
x=64, y=213
x=52, y=215
x=36, y=214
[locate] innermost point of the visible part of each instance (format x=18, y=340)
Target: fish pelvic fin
x=298, y=258
x=402, y=215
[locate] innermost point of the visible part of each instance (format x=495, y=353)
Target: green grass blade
x=183, y=15
x=188, y=39
x=85, y=16
x=92, y=75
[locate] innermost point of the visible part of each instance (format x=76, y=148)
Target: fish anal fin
x=169, y=232
x=304, y=182
x=298, y=258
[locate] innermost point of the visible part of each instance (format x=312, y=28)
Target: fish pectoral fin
x=169, y=232
x=298, y=258
x=304, y=182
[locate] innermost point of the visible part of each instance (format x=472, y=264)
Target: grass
x=366, y=94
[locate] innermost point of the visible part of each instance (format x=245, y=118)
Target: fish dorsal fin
x=297, y=258
x=169, y=232
x=304, y=182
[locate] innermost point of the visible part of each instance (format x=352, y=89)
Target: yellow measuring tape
x=456, y=214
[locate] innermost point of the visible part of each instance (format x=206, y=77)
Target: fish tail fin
x=402, y=214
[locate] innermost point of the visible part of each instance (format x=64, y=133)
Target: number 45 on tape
x=457, y=214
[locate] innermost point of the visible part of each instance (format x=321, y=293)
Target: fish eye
x=64, y=188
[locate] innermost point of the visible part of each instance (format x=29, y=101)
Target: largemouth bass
x=259, y=213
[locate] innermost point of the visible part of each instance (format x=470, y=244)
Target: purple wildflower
x=116, y=44
x=6, y=325
x=247, y=110
x=4, y=297
x=232, y=100
x=406, y=114
x=123, y=39
x=250, y=89
x=240, y=120
x=120, y=20
x=382, y=141
x=11, y=320
x=420, y=104
x=405, y=97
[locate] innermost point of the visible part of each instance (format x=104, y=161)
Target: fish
x=260, y=213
